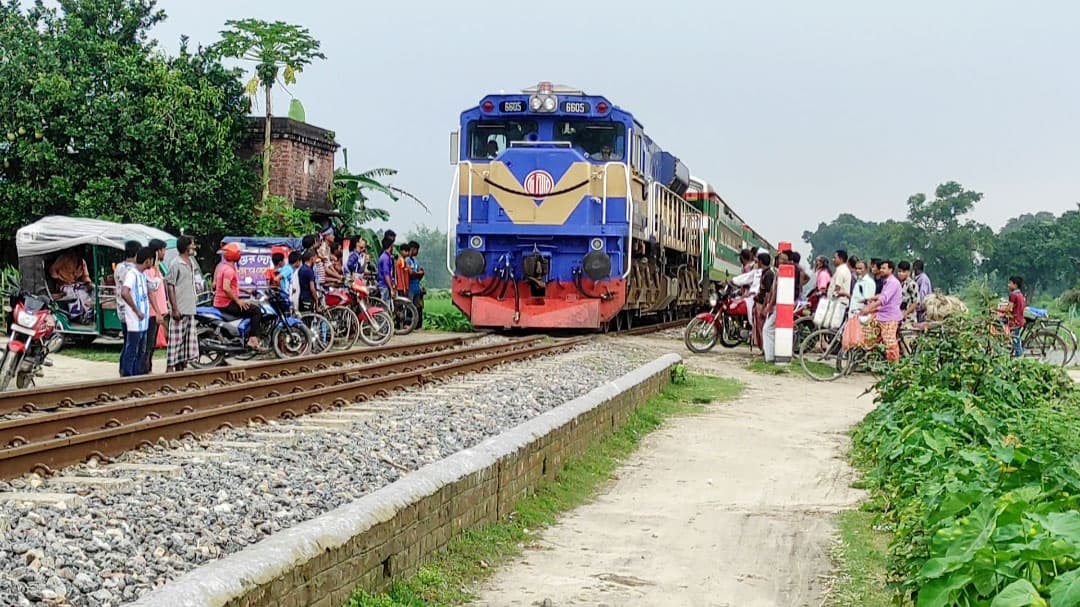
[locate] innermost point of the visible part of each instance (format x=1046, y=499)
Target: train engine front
x=541, y=210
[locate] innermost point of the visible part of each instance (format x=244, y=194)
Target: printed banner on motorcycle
x=252, y=268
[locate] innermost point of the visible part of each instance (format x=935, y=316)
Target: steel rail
x=75, y=421
x=68, y=395
x=663, y=326
x=47, y=456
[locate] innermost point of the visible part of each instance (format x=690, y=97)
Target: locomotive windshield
x=488, y=139
x=602, y=141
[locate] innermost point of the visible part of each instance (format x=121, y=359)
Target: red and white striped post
x=785, y=309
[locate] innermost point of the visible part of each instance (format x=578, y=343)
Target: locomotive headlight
x=549, y=104
x=476, y=242
x=536, y=103
x=597, y=244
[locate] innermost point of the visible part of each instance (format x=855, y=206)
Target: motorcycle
x=376, y=324
x=726, y=322
x=33, y=336
x=222, y=335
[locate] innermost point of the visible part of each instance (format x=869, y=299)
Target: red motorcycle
x=375, y=325
x=33, y=336
x=726, y=322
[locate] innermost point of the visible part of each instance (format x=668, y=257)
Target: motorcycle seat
x=209, y=312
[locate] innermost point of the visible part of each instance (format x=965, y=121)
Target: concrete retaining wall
x=387, y=534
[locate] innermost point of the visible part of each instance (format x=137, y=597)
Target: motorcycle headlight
x=712, y=300
x=27, y=319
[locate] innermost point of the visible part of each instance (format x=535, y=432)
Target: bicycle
x=321, y=329
x=821, y=354
x=870, y=355
x=1039, y=338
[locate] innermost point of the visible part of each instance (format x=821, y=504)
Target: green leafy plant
x=973, y=458
x=350, y=196
x=10, y=281
x=678, y=374
x=278, y=216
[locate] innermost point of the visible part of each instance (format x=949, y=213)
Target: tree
x=432, y=257
x=945, y=242
x=97, y=122
x=934, y=231
x=275, y=48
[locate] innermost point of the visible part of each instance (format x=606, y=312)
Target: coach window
x=488, y=139
x=600, y=141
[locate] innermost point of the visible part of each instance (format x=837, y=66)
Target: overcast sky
x=796, y=111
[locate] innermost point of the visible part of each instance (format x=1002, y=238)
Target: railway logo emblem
x=539, y=183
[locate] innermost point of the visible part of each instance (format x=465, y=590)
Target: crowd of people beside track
x=877, y=290
x=156, y=302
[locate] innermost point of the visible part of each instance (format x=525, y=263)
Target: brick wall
x=301, y=160
x=388, y=534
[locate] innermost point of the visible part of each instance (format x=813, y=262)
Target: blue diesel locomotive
x=565, y=214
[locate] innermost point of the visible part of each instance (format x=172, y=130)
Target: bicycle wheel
x=322, y=330
x=820, y=355
x=346, y=327
x=1047, y=347
x=1071, y=341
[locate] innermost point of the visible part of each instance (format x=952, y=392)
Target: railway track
x=82, y=393
x=63, y=425
x=45, y=442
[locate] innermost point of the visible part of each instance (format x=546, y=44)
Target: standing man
x=768, y=278
x=922, y=281
x=416, y=274
x=1016, y=317
x=136, y=313
x=887, y=307
x=305, y=277
x=910, y=299
x=386, y=272
x=840, y=284
x=131, y=250
x=180, y=287
x=356, y=265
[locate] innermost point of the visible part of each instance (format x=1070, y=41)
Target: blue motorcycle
x=223, y=336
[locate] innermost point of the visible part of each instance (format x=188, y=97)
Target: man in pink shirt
x=886, y=306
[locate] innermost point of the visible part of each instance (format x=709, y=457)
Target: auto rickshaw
x=101, y=245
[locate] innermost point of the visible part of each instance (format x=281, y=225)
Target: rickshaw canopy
x=55, y=233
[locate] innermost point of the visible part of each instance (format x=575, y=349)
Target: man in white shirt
x=751, y=279
x=839, y=292
x=840, y=285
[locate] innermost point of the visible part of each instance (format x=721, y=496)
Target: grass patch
x=440, y=314
x=861, y=558
x=760, y=366
x=448, y=579
x=103, y=353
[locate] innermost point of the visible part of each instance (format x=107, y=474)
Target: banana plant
x=350, y=197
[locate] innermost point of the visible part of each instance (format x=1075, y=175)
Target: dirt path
x=730, y=508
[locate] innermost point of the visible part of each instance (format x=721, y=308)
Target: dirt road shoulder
x=728, y=508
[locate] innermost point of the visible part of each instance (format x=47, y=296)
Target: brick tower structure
x=301, y=160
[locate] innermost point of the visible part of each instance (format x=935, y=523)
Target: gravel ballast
x=119, y=545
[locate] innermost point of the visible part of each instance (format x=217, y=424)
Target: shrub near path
x=973, y=458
